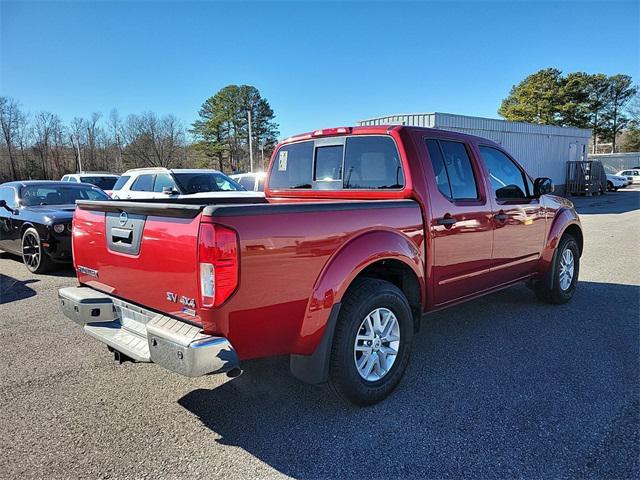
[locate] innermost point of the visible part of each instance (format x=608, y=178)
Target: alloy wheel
x=31, y=251
x=376, y=345
x=567, y=266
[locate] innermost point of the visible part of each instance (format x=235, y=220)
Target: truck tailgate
x=142, y=252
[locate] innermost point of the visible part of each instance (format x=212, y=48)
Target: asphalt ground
x=500, y=387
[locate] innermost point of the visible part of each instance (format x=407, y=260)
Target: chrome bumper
x=147, y=336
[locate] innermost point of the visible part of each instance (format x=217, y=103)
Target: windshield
x=105, y=183
x=198, y=182
x=33, y=195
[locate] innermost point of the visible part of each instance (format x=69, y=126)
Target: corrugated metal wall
x=614, y=162
x=542, y=149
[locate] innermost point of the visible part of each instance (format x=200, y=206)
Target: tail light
x=218, y=262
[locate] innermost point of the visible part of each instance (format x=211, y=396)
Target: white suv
x=102, y=180
x=166, y=183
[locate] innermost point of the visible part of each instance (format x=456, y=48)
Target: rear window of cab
x=366, y=162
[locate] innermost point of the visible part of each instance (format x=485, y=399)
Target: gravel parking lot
x=500, y=387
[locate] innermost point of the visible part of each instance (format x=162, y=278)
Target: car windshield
x=105, y=183
x=33, y=195
x=198, y=182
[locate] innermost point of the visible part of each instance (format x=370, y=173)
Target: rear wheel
x=566, y=265
x=609, y=186
x=372, y=342
x=33, y=255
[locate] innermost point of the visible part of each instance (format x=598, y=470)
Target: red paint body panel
x=287, y=280
x=296, y=262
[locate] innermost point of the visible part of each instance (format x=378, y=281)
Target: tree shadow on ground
x=503, y=386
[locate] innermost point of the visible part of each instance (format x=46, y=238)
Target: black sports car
x=35, y=220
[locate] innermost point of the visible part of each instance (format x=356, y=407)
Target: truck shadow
x=12, y=289
x=64, y=270
x=503, y=386
x=622, y=201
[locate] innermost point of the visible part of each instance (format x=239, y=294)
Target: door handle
x=448, y=221
x=121, y=235
x=501, y=217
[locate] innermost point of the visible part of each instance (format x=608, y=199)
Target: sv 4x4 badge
x=186, y=301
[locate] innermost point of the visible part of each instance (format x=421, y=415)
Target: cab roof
x=378, y=130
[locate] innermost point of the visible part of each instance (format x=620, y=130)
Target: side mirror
x=3, y=204
x=168, y=190
x=542, y=186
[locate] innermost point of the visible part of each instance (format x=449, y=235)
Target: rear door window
x=437, y=161
x=459, y=170
x=452, y=168
x=144, y=183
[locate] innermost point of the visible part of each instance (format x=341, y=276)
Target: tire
x=561, y=291
x=32, y=256
x=609, y=186
x=368, y=307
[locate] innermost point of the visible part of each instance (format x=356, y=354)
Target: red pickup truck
x=362, y=232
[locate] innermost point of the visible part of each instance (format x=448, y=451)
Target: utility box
x=543, y=150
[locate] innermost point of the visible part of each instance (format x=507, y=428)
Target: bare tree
x=114, y=125
x=10, y=119
x=154, y=142
x=77, y=135
x=93, y=134
x=47, y=133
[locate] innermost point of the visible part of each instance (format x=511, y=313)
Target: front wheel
x=561, y=287
x=372, y=342
x=33, y=256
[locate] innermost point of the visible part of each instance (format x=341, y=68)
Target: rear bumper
x=147, y=336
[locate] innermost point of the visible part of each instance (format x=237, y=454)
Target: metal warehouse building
x=542, y=149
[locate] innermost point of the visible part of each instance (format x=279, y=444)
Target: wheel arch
x=566, y=221
x=383, y=254
x=576, y=232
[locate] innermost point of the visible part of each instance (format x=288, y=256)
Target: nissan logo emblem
x=123, y=218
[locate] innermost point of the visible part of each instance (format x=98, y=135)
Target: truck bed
x=284, y=249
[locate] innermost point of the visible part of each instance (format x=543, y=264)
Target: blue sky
x=318, y=64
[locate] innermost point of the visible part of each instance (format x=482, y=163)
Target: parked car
x=614, y=182
x=141, y=183
x=104, y=181
x=253, y=181
x=632, y=174
x=35, y=220
x=362, y=232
